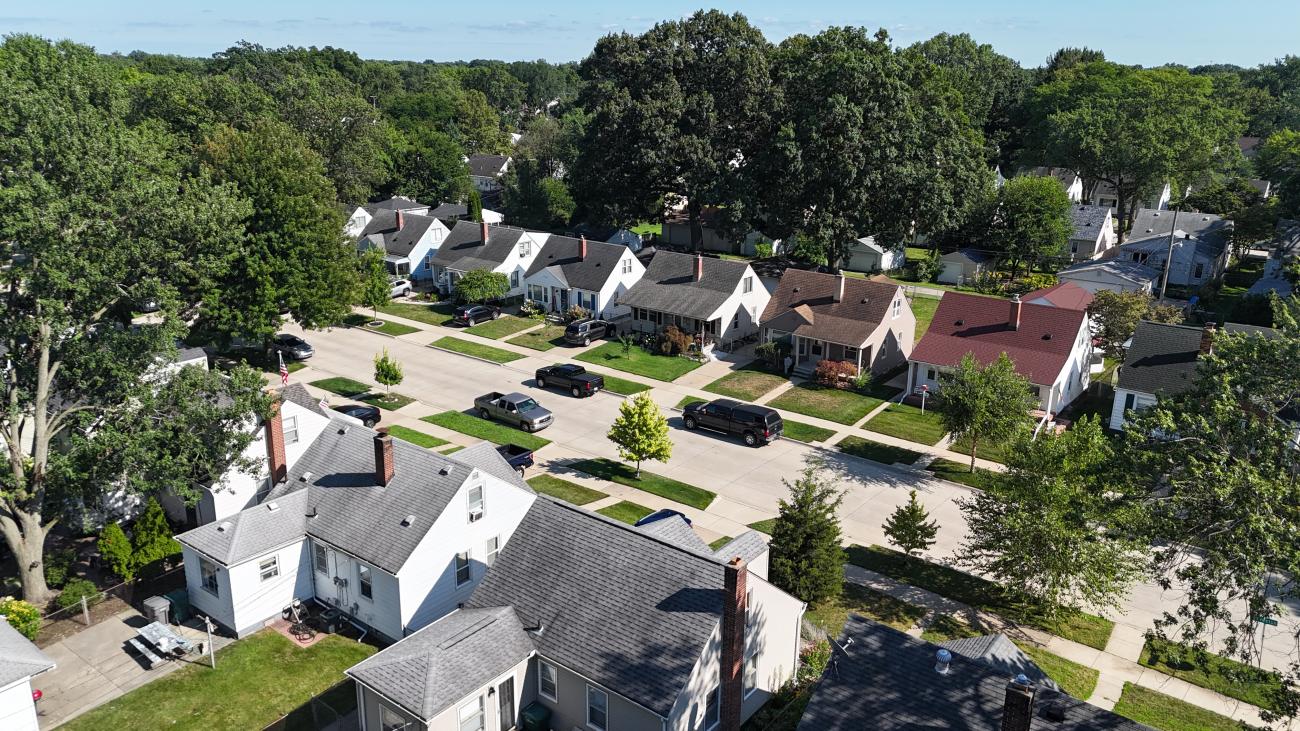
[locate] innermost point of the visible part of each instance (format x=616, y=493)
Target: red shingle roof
x=965, y=323
x=1066, y=294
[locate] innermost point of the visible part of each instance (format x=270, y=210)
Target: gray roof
x=446, y=661
x=382, y=232
x=573, y=570
x=187, y=354
x=748, y=545
x=561, y=254
x=1158, y=245
x=19, y=658
x=251, y=532
x=1088, y=221
x=297, y=394
x=674, y=529
x=1161, y=359
x=487, y=166
x=450, y=210
x=669, y=285
x=396, y=203
x=1202, y=227
x=974, y=256
x=1130, y=270
x=464, y=248
x=885, y=680
x=1001, y=654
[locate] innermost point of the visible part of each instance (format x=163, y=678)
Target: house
x=1200, y=245
x=866, y=255
x=1285, y=249
x=1050, y=346
x=964, y=265
x=453, y=212
x=598, y=625
x=831, y=316
x=609, y=234
x=390, y=534
x=698, y=294
x=486, y=171
x=483, y=246
x=885, y=680
x=1249, y=146
x=408, y=241
x=1116, y=275
x=1094, y=232
x=1063, y=294
x=1103, y=194
x=362, y=215
x=589, y=274
x=1070, y=181
x=677, y=232
x=20, y=661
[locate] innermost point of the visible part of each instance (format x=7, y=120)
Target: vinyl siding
x=17, y=711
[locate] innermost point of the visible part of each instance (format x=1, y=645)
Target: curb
x=472, y=357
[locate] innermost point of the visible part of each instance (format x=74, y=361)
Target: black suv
x=757, y=424
x=582, y=332
x=470, y=315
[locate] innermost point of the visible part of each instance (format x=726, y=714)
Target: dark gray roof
x=669, y=285
x=1088, y=221
x=464, y=248
x=1207, y=228
x=974, y=256
x=297, y=394
x=396, y=203
x=885, y=680
x=590, y=273
x=674, y=529
x=488, y=166
x=1161, y=359
x=1158, y=245
x=1001, y=654
x=1237, y=329
x=382, y=231
x=450, y=210
x=19, y=658
x=184, y=355
x=573, y=570
x=748, y=545
x=442, y=663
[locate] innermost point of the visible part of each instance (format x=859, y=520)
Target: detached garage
x=964, y=265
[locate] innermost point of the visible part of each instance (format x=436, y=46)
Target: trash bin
x=536, y=717
x=155, y=609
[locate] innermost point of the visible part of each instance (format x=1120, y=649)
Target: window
x=208, y=572
x=712, y=706
x=1200, y=271
x=929, y=374
x=290, y=428
x=390, y=720
x=898, y=307
x=1074, y=247
x=547, y=680
x=321, y=557
x=472, y=716
x=627, y=265
x=747, y=285
x=514, y=279
x=462, y=568
x=475, y=495
x=269, y=568
x=491, y=549
x=1128, y=401
x=364, y=579
x=597, y=709
x=751, y=674
x=525, y=247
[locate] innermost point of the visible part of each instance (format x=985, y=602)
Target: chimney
x=732, y=661
x=1207, y=339
x=399, y=220
x=582, y=249
x=383, y=459
x=699, y=267
x=838, y=296
x=1018, y=708
x=483, y=231
x=1014, y=320
x=275, y=459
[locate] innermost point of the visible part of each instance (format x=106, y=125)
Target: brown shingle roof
x=864, y=305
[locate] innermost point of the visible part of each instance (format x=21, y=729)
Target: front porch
x=808, y=352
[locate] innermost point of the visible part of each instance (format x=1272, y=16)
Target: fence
x=333, y=709
x=106, y=604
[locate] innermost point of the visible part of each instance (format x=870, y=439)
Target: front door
x=506, y=704
x=562, y=299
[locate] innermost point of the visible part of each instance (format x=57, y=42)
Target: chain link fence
x=106, y=604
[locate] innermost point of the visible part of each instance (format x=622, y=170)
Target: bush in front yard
x=21, y=615
x=151, y=538
x=835, y=373
x=674, y=341
x=75, y=590
x=58, y=566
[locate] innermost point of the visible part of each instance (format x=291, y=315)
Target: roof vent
x=343, y=429
x=1054, y=711
x=1156, y=214
x=959, y=323
x=796, y=289
x=942, y=661
x=224, y=526
x=271, y=507
x=306, y=477
x=864, y=300
x=445, y=470
x=1047, y=336
x=1150, y=230
x=407, y=521
x=1205, y=218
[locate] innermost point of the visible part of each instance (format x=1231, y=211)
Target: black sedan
x=469, y=315
x=368, y=415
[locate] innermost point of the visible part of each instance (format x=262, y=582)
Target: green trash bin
x=180, y=605
x=536, y=717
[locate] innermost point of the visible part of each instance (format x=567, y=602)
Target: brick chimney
x=582, y=248
x=1207, y=339
x=278, y=465
x=699, y=267
x=483, y=231
x=838, y=296
x=732, y=661
x=383, y=459
x=1018, y=708
x=1014, y=320
x=399, y=221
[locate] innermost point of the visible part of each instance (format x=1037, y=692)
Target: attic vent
x=407, y=521
x=272, y=507
x=224, y=526
x=959, y=323
x=343, y=429
x=864, y=300
x=1047, y=336
x=445, y=470
x=306, y=477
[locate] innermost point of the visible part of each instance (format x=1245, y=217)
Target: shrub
x=772, y=353
x=763, y=249
x=835, y=373
x=75, y=590
x=576, y=312
x=21, y=615
x=1032, y=282
x=532, y=309
x=674, y=341
x=927, y=269
x=151, y=539
x=480, y=285
x=987, y=283
x=115, y=551
x=58, y=565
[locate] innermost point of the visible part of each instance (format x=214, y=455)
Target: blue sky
x=1148, y=32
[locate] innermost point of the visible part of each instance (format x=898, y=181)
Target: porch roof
x=829, y=307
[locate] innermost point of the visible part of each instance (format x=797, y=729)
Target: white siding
x=1097, y=280
x=1075, y=376
x=256, y=601
x=739, y=314
x=381, y=611
x=357, y=223
x=448, y=720
x=217, y=606
x=1140, y=401
x=17, y=711
x=516, y=264
x=616, y=285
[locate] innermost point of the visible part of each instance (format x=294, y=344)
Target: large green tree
x=534, y=199
x=984, y=404
x=1279, y=161
x=1115, y=316
x=1031, y=222
x=806, y=557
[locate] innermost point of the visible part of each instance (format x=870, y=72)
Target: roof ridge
x=630, y=528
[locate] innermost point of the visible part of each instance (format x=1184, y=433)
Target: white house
x=866, y=254
x=1094, y=232
x=482, y=246
x=589, y=274
x=391, y=534
x=453, y=212
x=1200, y=245
x=408, y=241
x=605, y=626
x=20, y=661
x=486, y=171
x=700, y=295
x=362, y=215
x=1050, y=346
x=1070, y=181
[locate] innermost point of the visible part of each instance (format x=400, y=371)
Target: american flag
x=284, y=371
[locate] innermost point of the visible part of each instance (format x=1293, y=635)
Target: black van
x=757, y=424
x=582, y=332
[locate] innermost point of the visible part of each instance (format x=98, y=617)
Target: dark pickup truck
x=518, y=457
x=571, y=376
x=757, y=424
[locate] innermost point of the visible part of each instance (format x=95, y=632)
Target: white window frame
x=476, y=708
x=491, y=547
x=750, y=674
x=714, y=695
x=269, y=568
x=597, y=692
x=473, y=505
x=747, y=285
x=387, y=717
x=467, y=567
x=209, y=569
x=627, y=265
x=365, y=582
x=525, y=247
x=320, y=558
x=898, y=307
x=543, y=668
x=289, y=425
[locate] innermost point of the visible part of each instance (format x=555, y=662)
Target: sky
x=1147, y=32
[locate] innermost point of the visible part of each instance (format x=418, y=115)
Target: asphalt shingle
x=19, y=658
x=669, y=285
x=465, y=250
x=850, y=321
x=1161, y=359
x=382, y=232
x=560, y=253
x=1001, y=654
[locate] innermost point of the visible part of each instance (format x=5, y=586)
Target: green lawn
x=569, y=492
x=385, y=326
x=645, y=227
x=875, y=451
x=688, y=400
x=985, y=450
x=664, y=487
x=501, y=327
x=546, y=338
x=257, y=680
x=747, y=384
x=439, y=313
x=923, y=307
x=386, y=401
x=1077, y=680
x=970, y=589
x=802, y=432
x=1168, y=713
x=1219, y=674
x=622, y=386
x=639, y=361
x=945, y=627
x=625, y=511
x=832, y=404
x=720, y=542
x=830, y=615
x=342, y=386
x=764, y=526
x=418, y=438
x=483, y=429
x=907, y=422
x=451, y=450
x=959, y=472
x=465, y=347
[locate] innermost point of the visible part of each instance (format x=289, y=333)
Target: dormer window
x=475, y=497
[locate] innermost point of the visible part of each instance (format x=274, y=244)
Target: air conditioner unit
x=475, y=515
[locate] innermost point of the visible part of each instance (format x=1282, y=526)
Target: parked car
x=515, y=409
x=292, y=346
x=582, y=332
x=400, y=288
x=518, y=457
x=571, y=376
x=757, y=424
x=469, y=315
x=368, y=415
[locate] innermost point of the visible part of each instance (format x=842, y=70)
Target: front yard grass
x=830, y=615
x=665, y=487
x=875, y=451
x=543, y=339
x=764, y=526
x=923, y=308
x=945, y=627
x=959, y=472
x=639, y=361
x=385, y=326
x=747, y=384
x=907, y=422
x=801, y=432
x=985, y=450
x=1219, y=674
x=980, y=593
x=622, y=386
x=569, y=492
x=688, y=400
x=386, y=401
x=1077, y=680
x=257, y=680
x=438, y=313
x=625, y=511
x=418, y=438
x=342, y=386
x=483, y=429
x=477, y=350
x=832, y=404
x=720, y=542
x=501, y=327
x=1168, y=713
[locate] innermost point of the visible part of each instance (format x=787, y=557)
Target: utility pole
x=1169, y=256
